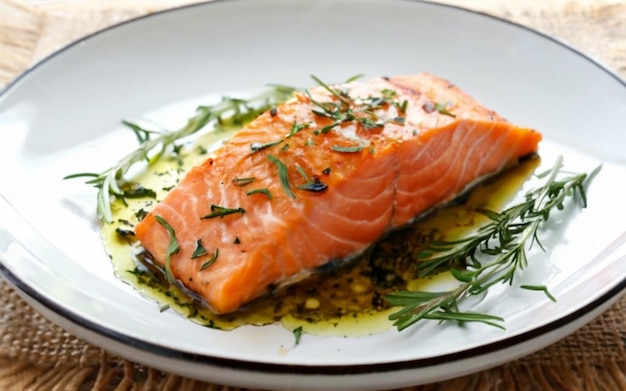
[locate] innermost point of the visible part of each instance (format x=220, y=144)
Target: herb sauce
x=345, y=297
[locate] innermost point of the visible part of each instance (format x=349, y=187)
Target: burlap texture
x=38, y=355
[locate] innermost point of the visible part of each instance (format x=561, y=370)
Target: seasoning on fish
x=334, y=168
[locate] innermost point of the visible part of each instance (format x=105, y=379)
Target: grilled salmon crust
x=351, y=165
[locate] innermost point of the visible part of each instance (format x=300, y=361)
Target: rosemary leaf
x=283, y=175
x=211, y=260
x=351, y=149
x=220, y=211
x=172, y=248
x=199, y=251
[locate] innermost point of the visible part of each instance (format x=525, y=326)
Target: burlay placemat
x=37, y=355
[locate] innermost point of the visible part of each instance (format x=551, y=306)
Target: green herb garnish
x=172, y=248
x=136, y=190
x=199, y=251
x=220, y=211
x=350, y=149
x=441, y=108
x=256, y=147
x=297, y=333
x=314, y=185
x=492, y=255
x=242, y=181
x=211, y=260
x=260, y=191
x=296, y=127
x=283, y=175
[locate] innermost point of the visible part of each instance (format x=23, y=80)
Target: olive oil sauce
x=342, y=297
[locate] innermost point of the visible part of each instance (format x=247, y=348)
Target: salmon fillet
x=332, y=172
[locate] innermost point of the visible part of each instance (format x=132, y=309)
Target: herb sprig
x=154, y=144
x=492, y=255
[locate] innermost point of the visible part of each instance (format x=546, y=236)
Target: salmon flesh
x=321, y=177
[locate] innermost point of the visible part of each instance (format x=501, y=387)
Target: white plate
x=64, y=116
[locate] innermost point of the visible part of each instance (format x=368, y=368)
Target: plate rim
x=204, y=3
x=285, y=368
x=332, y=369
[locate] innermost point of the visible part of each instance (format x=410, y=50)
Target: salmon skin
x=321, y=177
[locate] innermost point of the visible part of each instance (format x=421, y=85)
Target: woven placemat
x=36, y=354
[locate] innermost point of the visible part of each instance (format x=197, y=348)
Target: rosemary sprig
x=211, y=260
x=153, y=144
x=494, y=254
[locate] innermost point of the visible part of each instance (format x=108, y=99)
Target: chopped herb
x=176, y=148
x=328, y=128
x=199, y=250
x=220, y=211
x=284, y=148
x=315, y=185
x=242, y=181
x=429, y=107
x=296, y=127
x=443, y=109
x=326, y=171
x=354, y=78
x=334, y=92
x=256, y=147
x=211, y=260
x=124, y=232
x=309, y=142
x=360, y=110
x=236, y=241
x=297, y=333
x=260, y=191
x=136, y=190
x=152, y=149
x=302, y=172
x=388, y=94
x=172, y=248
x=339, y=148
x=273, y=111
x=541, y=288
x=369, y=123
x=372, y=150
x=403, y=106
x=141, y=214
x=283, y=175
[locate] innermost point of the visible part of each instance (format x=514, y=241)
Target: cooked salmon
x=321, y=177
